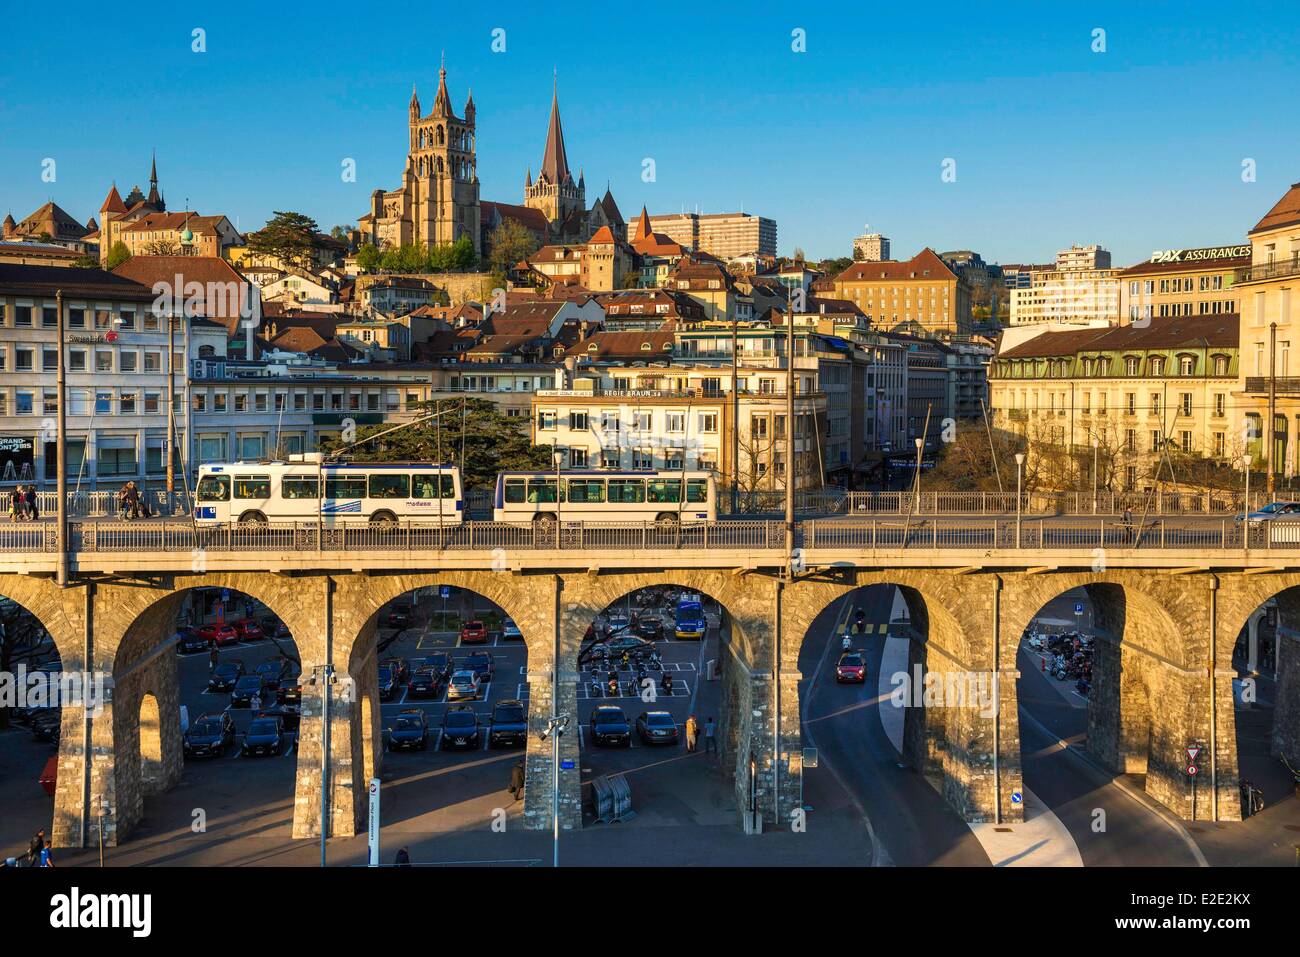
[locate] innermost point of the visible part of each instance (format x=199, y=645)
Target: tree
x=162, y=247
x=118, y=254
x=289, y=237
x=511, y=243
x=341, y=232
x=369, y=257
x=87, y=262
x=492, y=442
x=833, y=267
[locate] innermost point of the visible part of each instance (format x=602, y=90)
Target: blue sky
x=1139, y=147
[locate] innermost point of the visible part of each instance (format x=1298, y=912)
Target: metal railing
x=853, y=535
x=1277, y=269
x=105, y=503
x=1050, y=503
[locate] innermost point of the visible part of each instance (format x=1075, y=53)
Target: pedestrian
x=255, y=703
x=692, y=731
x=35, y=847
x=33, y=511
x=710, y=742
x=15, y=503
x=1128, y=523
x=213, y=658
x=517, y=780
x=403, y=858
x=46, y=857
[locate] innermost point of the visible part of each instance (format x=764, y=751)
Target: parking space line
x=581, y=737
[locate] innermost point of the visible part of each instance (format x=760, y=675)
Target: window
x=152, y=402
x=126, y=361
x=116, y=461
x=390, y=486
x=23, y=359
x=577, y=458
x=49, y=360
x=1155, y=403
x=546, y=420
x=214, y=488
x=1219, y=400
x=697, y=490
x=1130, y=402
x=1218, y=444
x=49, y=316
x=1155, y=440
x=212, y=448
x=1185, y=403
x=349, y=487
x=591, y=491
x=1157, y=366
x=515, y=493
x=627, y=490
x=241, y=401
x=578, y=421
x=153, y=362
x=609, y=421
x=76, y=360
x=318, y=401
x=1131, y=365
x=76, y=317
x=1185, y=440
x=253, y=486
x=708, y=422
x=199, y=401
x=251, y=447
x=664, y=491
x=1186, y=365
x=126, y=403
x=1130, y=440
x=541, y=490
x=643, y=459
x=103, y=403
x=259, y=402
x=50, y=403
x=675, y=421
x=219, y=402
x=425, y=485
x=22, y=315
x=299, y=486
x=758, y=427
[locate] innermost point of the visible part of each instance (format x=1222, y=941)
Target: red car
x=219, y=634
x=851, y=668
x=249, y=630
x=474, y=633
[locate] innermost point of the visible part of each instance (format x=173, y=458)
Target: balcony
x=1277, y=269
x=1258, y=385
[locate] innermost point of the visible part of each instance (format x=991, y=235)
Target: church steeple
x=555, y=163
x=415, y=103
x=154, y=199
x=442, y=101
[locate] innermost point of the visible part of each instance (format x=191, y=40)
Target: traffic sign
x=1017, y=797
x=444, y=591
x=1192, y=770
x=1193, y=752
x=566, y=765
x=1078, y=608
x=372, y=831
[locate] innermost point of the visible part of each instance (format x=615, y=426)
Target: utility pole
x=735, y=415
x=169, y=445
x=789, y=426
x=1271, y=431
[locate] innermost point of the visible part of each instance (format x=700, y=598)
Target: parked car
x=609, y=726
x=657, y=727
x=219, y=634
x=473, y=633
x=289, y=690
x=209, y=735
x=273, y=627
x=851, y=668
x=401, y=616
x=463, y=684
x=482, y=664
x=441, y=662
x=425, y=683
x=510, y=631
x=388, y=685
x=614, y=647
x=188, y=640
x=225, y=675
x=401, y=670
x=616, y=623
x=509, y=724
x=249, y=630
x=273, y=671
x=264, y=736
x=459, y=727
x=650, y=628
x=241, y=695
x=290, y=716
x=410, y=730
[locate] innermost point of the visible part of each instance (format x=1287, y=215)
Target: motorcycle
x=846, y=643
x=655, y=662
x=612, y=683
x=666, y=683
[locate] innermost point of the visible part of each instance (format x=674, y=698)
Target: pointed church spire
x=529, y=182
x=153, y=198
x=415, y=103
x=555, y=164
x=642, y=225
x=442, y=102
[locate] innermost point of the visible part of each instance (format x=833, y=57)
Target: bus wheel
x=383, y=518
x=252, y=518
x=666, y=519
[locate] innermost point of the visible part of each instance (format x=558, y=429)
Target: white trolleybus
x=381, y=493
x=606, y=495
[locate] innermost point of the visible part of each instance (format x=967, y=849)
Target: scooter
x=613, y=684
x=846, y=643
x=666, y=683
x=655, y=663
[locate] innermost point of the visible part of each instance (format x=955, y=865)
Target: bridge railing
x=1054, y=503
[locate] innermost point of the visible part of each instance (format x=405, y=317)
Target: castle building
x=438, y=201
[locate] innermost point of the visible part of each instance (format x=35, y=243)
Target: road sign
x=372, y=830
x=1192, y=770
x=1193, y=753
x=225, y=595
x=1078, y=608
x=1017, y=797
x=566, y=765
x=444, y=591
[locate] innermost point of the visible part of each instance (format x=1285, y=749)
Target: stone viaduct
x=1162, y=675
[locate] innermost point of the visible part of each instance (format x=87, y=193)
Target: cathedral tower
x=441, y=176
x=554, y=191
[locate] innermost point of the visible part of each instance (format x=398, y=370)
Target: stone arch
x=151, y=756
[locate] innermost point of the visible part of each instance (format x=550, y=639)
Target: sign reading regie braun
x=1199, y=255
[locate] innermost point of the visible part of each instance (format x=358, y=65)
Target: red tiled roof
x=1285, y=212
x=924, y=265
x=1165, y=332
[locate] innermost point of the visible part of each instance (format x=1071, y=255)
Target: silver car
x=1271, y=512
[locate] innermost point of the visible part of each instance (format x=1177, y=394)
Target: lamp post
x=916, y=490
x=1245, y=510
x=61, y=445
x=558, y=458
x=1095, y=445
x=556, y=725
x=1020, y=461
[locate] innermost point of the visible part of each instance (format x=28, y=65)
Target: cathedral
x=438, y=201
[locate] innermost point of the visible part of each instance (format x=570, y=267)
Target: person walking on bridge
x=29, y=498
x=692, y=732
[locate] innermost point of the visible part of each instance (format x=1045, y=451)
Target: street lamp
x=1245, y=510
x=556, y=725
x=558, y=458
x=920, y=443
x=1020, y=462
x=1095, y=445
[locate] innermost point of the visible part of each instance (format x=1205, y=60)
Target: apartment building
x=1182, y=282
x=724, y=235
x=921, y=296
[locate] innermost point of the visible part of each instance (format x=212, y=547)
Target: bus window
x=425, y=485
x=627, y=490
x=663, y=491
x=214, y=488
x=354, y=487
x=697, y=490
x=383, y=485
x=515, y=494
x=299, y=486
x=586, y=490
x=253, y=486
x=541, y=490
